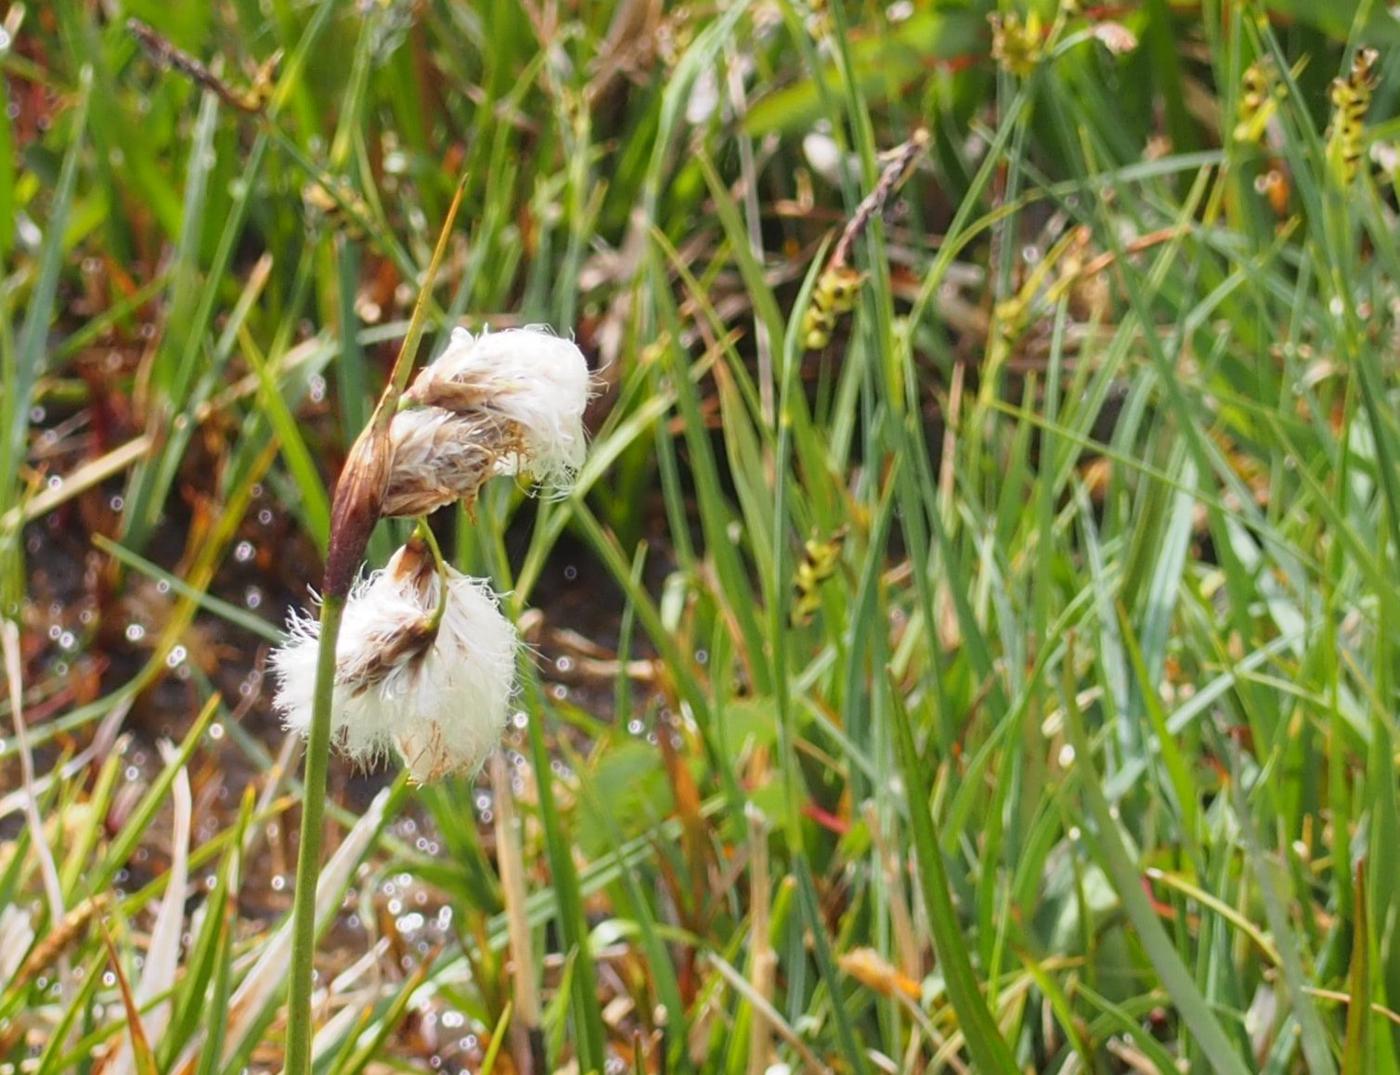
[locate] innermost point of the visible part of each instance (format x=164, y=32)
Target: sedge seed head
x=532, y=384
x=438, y=694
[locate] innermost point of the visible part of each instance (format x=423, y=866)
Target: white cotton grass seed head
x=438, y=696
x=441, y=457
x=527, y=378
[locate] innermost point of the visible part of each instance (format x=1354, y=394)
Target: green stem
x=408, y=349
x=425, y=531
x=318, y=746
x=355, y=513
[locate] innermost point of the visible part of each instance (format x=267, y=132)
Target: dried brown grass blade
x=264, y=983
x=59, y=938
x=140, y=1045
x=163, y=954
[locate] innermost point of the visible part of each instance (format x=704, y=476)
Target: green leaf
x=989, y=1050
x=1216, y=1047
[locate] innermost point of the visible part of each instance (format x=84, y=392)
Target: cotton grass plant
x=1115, y=607
x=425, y=666
x=418, y=658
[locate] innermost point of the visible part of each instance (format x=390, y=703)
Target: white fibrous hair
x=438, y=694
x=533, y=383
x=441, y=457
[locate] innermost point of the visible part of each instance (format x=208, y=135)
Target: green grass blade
x=984, y=1041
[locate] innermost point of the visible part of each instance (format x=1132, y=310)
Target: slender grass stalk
x=525, y=994
x=356, y=510
x=313, y=803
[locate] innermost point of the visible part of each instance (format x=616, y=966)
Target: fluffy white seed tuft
x=441, y=457
x=440, y=698
x=526, y=377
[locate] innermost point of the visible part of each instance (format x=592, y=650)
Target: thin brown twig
x=896, y=171
x=63, y=933
x=164, y=52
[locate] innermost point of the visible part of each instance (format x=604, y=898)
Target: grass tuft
x=1001, y=678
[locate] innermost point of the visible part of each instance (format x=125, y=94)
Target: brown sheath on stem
x=359, y=496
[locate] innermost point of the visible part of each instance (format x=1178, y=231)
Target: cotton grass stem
x=357, y=499
x=318, y=748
